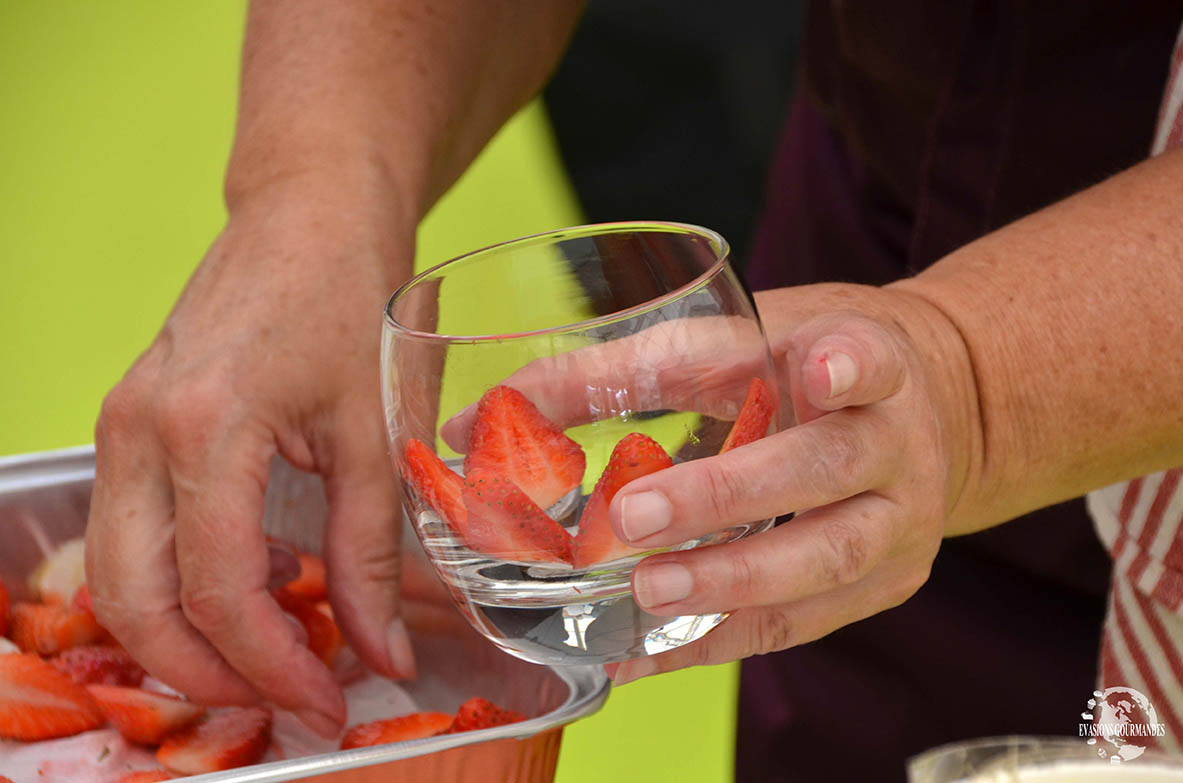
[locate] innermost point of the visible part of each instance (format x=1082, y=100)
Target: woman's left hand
x=886, y=441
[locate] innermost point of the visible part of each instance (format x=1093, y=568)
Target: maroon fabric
x=922, y=125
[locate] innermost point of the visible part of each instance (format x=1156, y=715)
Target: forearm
x=392, y=97
x=1073, y=321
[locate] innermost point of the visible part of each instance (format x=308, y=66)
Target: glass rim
x=718, y=243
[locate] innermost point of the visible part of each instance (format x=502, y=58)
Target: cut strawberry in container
x=440, y=486
x=512, y=438
x=143, y=716
x=417, y=725
x=225, y=740
x=37, y=702
x=754, y=417
x=312, y=582
x=478, y=713
x=100, y=665
x=48, y=629
x=324, y=637
x=504, y=522
x=634, y=456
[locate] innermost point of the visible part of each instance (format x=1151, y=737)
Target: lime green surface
x=117, y=119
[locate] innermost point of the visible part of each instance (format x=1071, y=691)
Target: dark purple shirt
x=919, y=126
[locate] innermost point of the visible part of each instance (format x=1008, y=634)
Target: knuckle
x=725, y=490
x=378, y=565
x=185, y=415
x=743, y=580
x=835, y=460
x=845, y=558
x=208, y=609
x=772, y=631
x=121, y=409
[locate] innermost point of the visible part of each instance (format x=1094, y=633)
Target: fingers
x=131, y=562
x=825, y=460
x=689, y=364
x=768, y=629
x=822, y=550
x=362, y=544
x=225, y=570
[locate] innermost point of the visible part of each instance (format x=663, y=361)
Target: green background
x=115, y=124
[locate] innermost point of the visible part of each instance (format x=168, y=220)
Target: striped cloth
x=1141, y=523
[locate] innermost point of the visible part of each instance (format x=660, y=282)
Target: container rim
x=720, y=246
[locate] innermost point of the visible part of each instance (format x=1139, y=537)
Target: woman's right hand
x=271, y=349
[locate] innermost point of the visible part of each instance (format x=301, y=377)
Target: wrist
x=952, y=380
x=355, y=215
x=351, y=177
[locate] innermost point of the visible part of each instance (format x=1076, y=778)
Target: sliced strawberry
x=310, y=583
x=5, y=608
x=417, y=725
x=634, y=456
x=510, y=437
x=435, y=482
x=146, y=776
x=754, y=417
x=48, y=629
x=324, y=637
x=38, y=702
x=226, y=740
x=100, y=665
x=505, y=523
x=478, y=713
x=143, y=716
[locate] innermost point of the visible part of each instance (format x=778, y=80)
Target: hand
x=701, y=364
x=272, y=348
x=886, y=441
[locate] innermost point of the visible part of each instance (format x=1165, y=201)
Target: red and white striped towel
x=1141, y=523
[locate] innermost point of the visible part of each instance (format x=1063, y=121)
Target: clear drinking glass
x=1036, y=760
x=525, y=383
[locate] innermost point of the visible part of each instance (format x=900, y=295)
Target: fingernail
x=842, y=373
x=399, y=650
x=644, y=514
x=662, y=583
x=319, y=722
x=634, y=670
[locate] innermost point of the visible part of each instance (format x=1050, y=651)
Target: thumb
x=845, y=360
x=363, y=543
